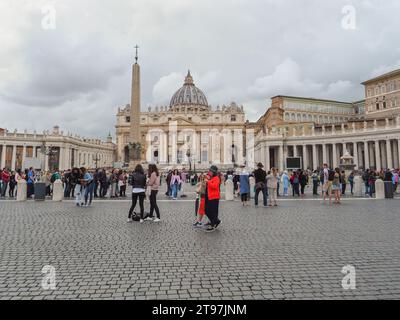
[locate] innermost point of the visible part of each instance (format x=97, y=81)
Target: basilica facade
x=188, y=131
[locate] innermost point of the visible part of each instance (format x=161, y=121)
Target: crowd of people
x=85, y=185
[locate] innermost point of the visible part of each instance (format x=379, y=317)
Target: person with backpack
x=303, y=181
x=315, y=180
x=212, y=198
x=351, y=182
x=138, y=183
x=244, y=186
x=365, y=178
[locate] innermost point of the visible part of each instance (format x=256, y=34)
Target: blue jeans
x=264, y=193
x=175, y=191
x=89, y=193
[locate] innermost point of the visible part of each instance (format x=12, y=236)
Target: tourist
x=295, y=181
x=336, y=185
x=122, y=183
x=315, y=179
x=244, y=186
x=395, y=180
x=260, y=176
x=47, y=182
x=96, y=183
x=285, y=180
x=343, y=182
x=236, y=181
x=365, y=178
x=12, y=185
x=175, y=183
x=351, y=182
x=200, y=201
x=328, y=176
x=114, y=184
x=154, y=184
x=303, y=181
x=103, y=183
x=168, y=181
x=88, y=184
x=76, y=177
x=272, y=185
x=30, y=183
x=371, y=183
x=138, y=182
x=212, y=198
x=5, y=177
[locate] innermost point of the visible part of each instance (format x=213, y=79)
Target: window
x=128, y=119
x=233, y=118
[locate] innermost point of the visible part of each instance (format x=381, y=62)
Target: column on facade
x=281, y=158
x=295, y=154
x=314, y=156
x=366, y=155
x=3, y=156
x=378, y=156
x=389, y=154
x=23, y=155
x=268, y=158
x=355, y=153
x=398, y=151
x=14, y=157
x=334, y=156
x=305, y=157
x=324, y=154
x=344, y=148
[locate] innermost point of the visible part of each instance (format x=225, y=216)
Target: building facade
x=187, y=131
x=321, y=131
x=54, y=150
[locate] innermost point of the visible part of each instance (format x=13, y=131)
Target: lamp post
x=233, y=155
x=96, y=158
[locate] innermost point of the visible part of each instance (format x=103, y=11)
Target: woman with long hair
x=175, y=182
x=138, y=182
x=336, y=185
x=154, y=184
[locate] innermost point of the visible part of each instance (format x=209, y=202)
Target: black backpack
x=331, y=175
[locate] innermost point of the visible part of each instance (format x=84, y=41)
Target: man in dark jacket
x=260, y=175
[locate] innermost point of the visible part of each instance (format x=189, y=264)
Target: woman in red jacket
x=212, y=198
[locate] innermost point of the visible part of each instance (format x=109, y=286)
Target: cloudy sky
x=69, y=62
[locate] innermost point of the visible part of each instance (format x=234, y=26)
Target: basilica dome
x=188, y=95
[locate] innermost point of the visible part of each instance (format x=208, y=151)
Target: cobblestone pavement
x=294, y=251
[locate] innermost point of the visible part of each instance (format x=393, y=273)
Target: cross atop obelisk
x=136, y=56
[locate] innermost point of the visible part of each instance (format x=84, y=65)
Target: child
x=200, y=201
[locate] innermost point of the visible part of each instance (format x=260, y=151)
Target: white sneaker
x=141, y=220
x=157, y=220
x=149, y=219
x=129, y=220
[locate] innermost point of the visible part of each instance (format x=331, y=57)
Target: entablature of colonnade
x=347, y=136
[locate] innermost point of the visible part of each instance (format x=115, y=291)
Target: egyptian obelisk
x=135, y=154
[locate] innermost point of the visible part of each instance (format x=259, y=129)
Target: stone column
x=252, y=183
x=334, y=155
x=267, y=158
x=14, y=157
x=295, y=154
x=379, y=189
x=389, y=154
x=281, y=159
x=3, y=156
x=355, y=154
x=21, y=190
x=58, y=191
x=358, y=184
x=366, y=155
x=314, y=156
x=23, y=156
x=378, y=156
x=305, y=157
x=324, y=154
x=229, y=196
